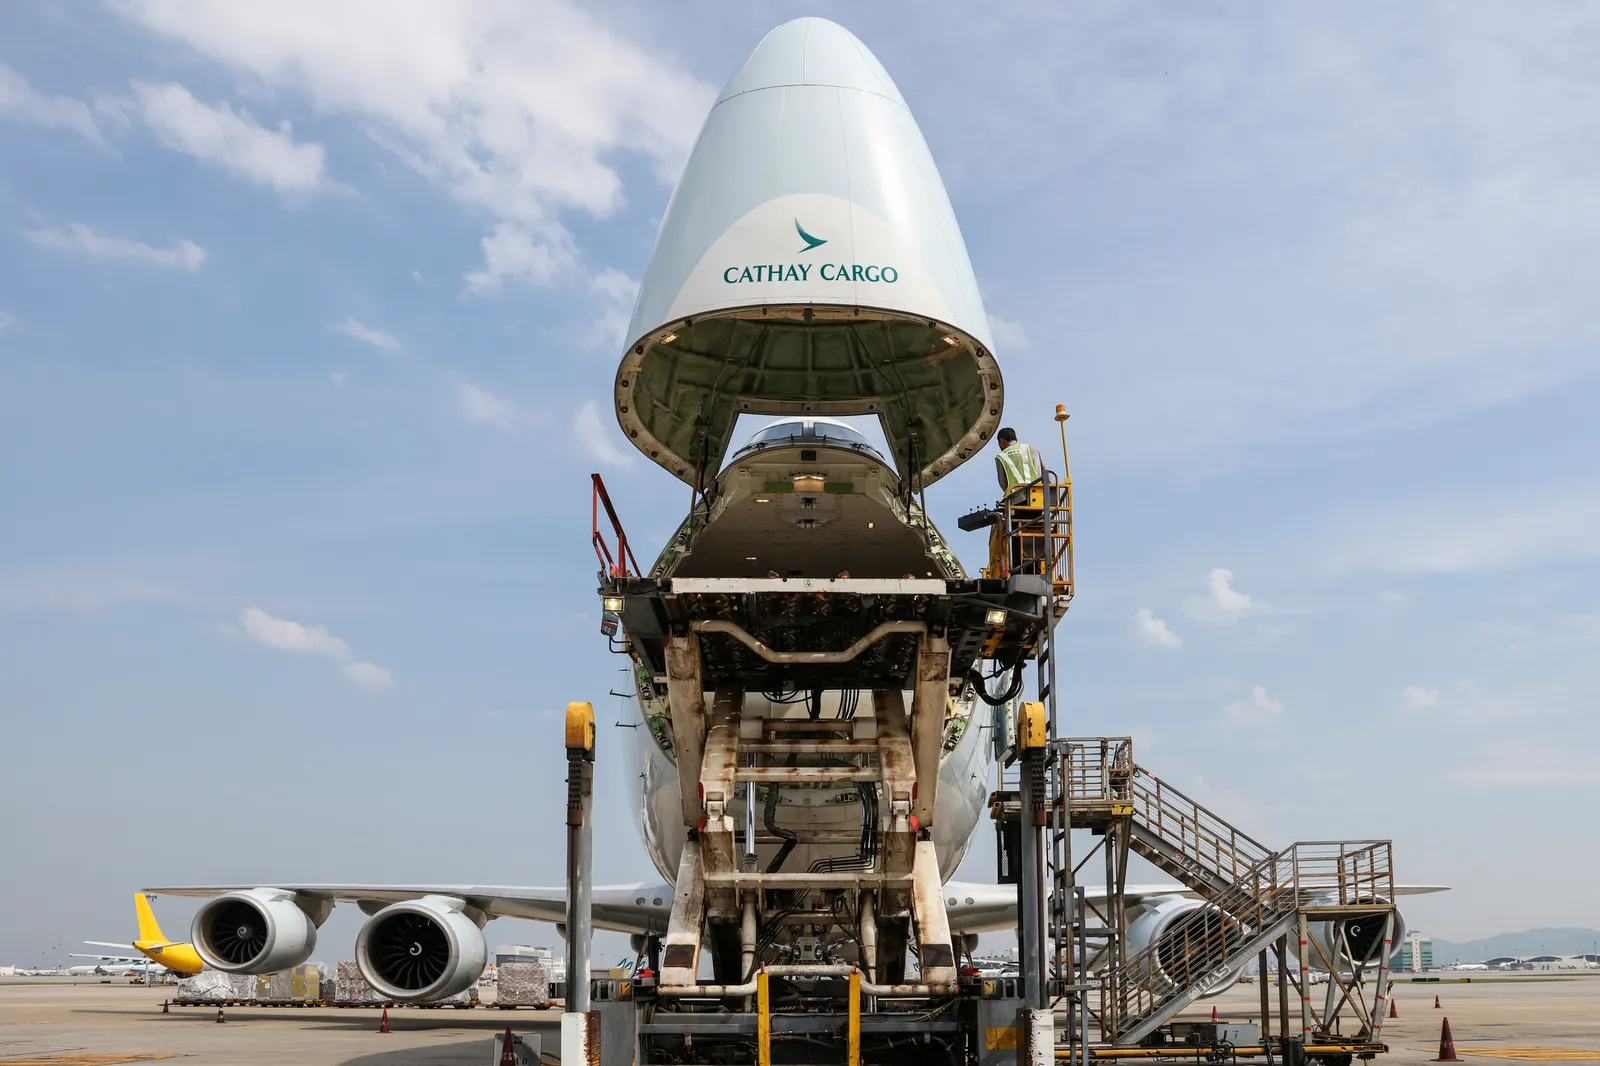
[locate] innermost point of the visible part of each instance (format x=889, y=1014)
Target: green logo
x=811, y=242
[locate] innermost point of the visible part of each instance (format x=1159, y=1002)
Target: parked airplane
x=808, y=265
x=152, y=944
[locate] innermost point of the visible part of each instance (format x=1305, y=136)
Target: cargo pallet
x=377, y=1004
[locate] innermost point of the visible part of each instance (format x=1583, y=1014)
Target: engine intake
x=1208, y=936
x=422, y=949
x=260, y=930
x=1357, y=940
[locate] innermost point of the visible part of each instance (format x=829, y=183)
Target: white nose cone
x=809, y=262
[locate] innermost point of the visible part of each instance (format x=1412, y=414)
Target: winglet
x=148, y=929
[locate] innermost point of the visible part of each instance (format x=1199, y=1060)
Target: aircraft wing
x=107, y=958
x=642, y=907
x=109, y=944
x=974, y=907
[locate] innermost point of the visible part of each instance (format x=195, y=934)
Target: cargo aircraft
x=152, y=944
x=809, y=268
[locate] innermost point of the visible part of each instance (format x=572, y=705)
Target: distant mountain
x=1570, y=941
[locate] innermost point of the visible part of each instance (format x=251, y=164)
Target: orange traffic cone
x=220, y=1018
x=508, y=1049
x=1435, y=1002
x=1214, y=1015
x=1447, y=1045
x=383, y=1026
x=1392, y=1012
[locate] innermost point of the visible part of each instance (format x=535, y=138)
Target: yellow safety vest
x=1017, y=460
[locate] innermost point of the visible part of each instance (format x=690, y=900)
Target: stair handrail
x=1201, y=833
x=1307, y=873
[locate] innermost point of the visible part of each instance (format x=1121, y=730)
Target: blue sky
x=308, y=314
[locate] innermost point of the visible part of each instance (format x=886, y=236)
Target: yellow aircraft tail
x=148, y=929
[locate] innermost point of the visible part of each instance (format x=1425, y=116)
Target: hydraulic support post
x=579, y=1032
x=1032, y=742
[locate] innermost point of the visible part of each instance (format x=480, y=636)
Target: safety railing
x=611, y=565
x=1196, y=831
x=1194, y=951
x=1100, y=771
x=1096, y=770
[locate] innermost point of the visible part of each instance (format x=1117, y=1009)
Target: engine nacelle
x=423, y=949
x=1148, y=927
x=260, y=930
x=1358, y=940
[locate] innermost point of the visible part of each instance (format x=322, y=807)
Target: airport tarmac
x=1526, y=1017
x=1529, y=1019
x=61, y=1024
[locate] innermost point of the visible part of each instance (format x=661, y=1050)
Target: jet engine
x=259, y=930
x=1148, y=927
x=423, y=949
x=1359, y=939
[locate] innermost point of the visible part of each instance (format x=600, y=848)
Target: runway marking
x=82, y=1060
x=1524, y=1054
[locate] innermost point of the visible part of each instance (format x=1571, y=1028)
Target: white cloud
x=1260, y=709
x=77, y=237
x=20, y=103
x=1483, y=532
x=1222, y=603
x=369, y=674
x=1399, y=599
x=515, y=109
x=538, y=255
x=286, y=635
x=218, y=134
x=367, y=334
x=1006, y=333
x=1417, y=698
x=484, y=408
x=595, y=437
x=7, y=321
x=617, y=292
x=1153, y=630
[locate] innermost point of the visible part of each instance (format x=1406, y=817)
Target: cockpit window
x=809, y=431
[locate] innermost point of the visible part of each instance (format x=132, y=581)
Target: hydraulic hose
x=769, y=818
x=1011, y=691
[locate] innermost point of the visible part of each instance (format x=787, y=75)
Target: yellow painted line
x=1523, y=1054
x=83, y=1060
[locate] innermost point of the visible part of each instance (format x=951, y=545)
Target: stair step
x=806, y=774
x=807, y=725
x=808, y=747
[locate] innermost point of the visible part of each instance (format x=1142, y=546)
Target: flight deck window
x=809, y=431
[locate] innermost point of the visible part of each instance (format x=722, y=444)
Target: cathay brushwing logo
x=811, y=242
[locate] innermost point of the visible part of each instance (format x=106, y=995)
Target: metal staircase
x=1251, y=895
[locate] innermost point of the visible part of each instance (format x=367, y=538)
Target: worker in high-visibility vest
x=1017, y=463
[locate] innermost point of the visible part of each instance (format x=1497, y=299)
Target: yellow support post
x=1032, y=726
x=853, y=1055
x=763, y=1021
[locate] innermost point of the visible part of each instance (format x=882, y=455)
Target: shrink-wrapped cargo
x=524, y=984
x=206, y=985
x=352, y=987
